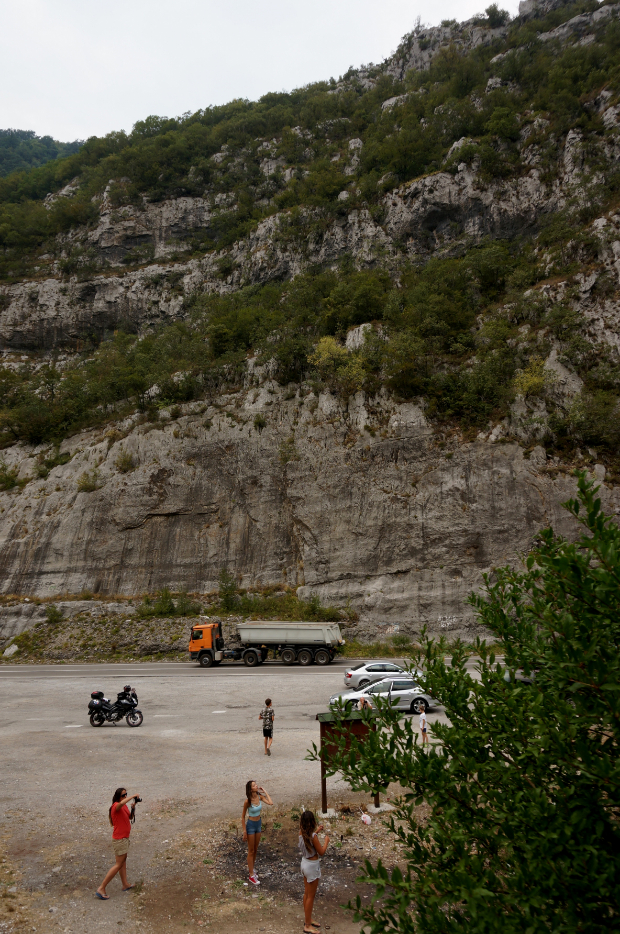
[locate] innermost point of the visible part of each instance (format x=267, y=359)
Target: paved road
x=124, y=671
x=161, y=669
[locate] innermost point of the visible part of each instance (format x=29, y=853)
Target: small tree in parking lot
x=522, y=829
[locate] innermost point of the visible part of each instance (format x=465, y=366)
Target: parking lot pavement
x=197, y=734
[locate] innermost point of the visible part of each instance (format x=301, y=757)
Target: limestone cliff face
x=394, y=523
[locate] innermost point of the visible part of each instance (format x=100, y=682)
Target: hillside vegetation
x=169, y=158
x=21, y=150
x=465, y=329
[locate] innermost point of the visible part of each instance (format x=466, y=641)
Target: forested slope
x=524, y=111
x=21, y=150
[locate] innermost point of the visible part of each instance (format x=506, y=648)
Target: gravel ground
x=199, y=744
x=194, y=876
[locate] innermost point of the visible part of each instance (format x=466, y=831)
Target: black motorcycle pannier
x=94, y=704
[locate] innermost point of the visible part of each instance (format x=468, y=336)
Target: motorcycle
x=102, y=710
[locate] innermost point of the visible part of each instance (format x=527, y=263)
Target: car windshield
x=356, y=667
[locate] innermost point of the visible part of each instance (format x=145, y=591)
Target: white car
x=404, y=692
x=360, y=676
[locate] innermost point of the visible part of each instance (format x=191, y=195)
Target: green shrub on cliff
x=165, y=605
x=435, y=336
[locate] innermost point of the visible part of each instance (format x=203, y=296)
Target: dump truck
x=306, y=643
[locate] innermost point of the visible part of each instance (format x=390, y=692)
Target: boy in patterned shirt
x=267, y=715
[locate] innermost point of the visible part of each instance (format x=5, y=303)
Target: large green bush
x=521, y=785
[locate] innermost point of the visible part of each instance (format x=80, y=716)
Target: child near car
x=424, y=727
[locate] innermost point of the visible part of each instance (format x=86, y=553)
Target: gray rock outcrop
x=393, y=524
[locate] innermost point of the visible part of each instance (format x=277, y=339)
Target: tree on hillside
x=523, y=784
x=21, y=150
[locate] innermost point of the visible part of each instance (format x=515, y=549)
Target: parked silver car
x=367, y=673
x=404, y=692
x=520, y=676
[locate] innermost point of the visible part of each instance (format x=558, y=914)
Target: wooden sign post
x=356, y=727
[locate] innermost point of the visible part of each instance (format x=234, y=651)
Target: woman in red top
x=120, y=818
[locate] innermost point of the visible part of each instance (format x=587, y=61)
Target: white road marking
x=73, y=726
x=219, y=711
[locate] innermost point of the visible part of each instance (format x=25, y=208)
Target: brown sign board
x=355, y=725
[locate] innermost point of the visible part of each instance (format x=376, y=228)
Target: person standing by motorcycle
x=120, y=818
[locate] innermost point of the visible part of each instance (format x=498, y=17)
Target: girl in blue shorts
x=251, y=822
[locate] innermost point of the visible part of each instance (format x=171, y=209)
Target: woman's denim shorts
x=254, y=826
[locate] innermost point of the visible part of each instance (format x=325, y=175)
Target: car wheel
x=418, y=705
x=97, y=718
x=322, y=657
x=251, y=659
x=363, y=684
x=206, y=661
x=288, y=657
x=305, y=657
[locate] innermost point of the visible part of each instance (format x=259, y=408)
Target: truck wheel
x=322, y=657
x=305, y=657
x=288, y=657
x=206, y=661
x=250, y=659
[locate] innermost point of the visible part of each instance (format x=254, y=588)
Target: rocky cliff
x=357, y=497
x=400, y=523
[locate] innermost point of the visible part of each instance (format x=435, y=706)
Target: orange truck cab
x=206, y=644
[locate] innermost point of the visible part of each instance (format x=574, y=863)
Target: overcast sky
x=78, y=68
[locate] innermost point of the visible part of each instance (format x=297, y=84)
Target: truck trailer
x=306, y=643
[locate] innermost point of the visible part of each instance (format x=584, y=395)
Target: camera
x=137, y=800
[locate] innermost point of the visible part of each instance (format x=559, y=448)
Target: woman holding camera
x=120, y=820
